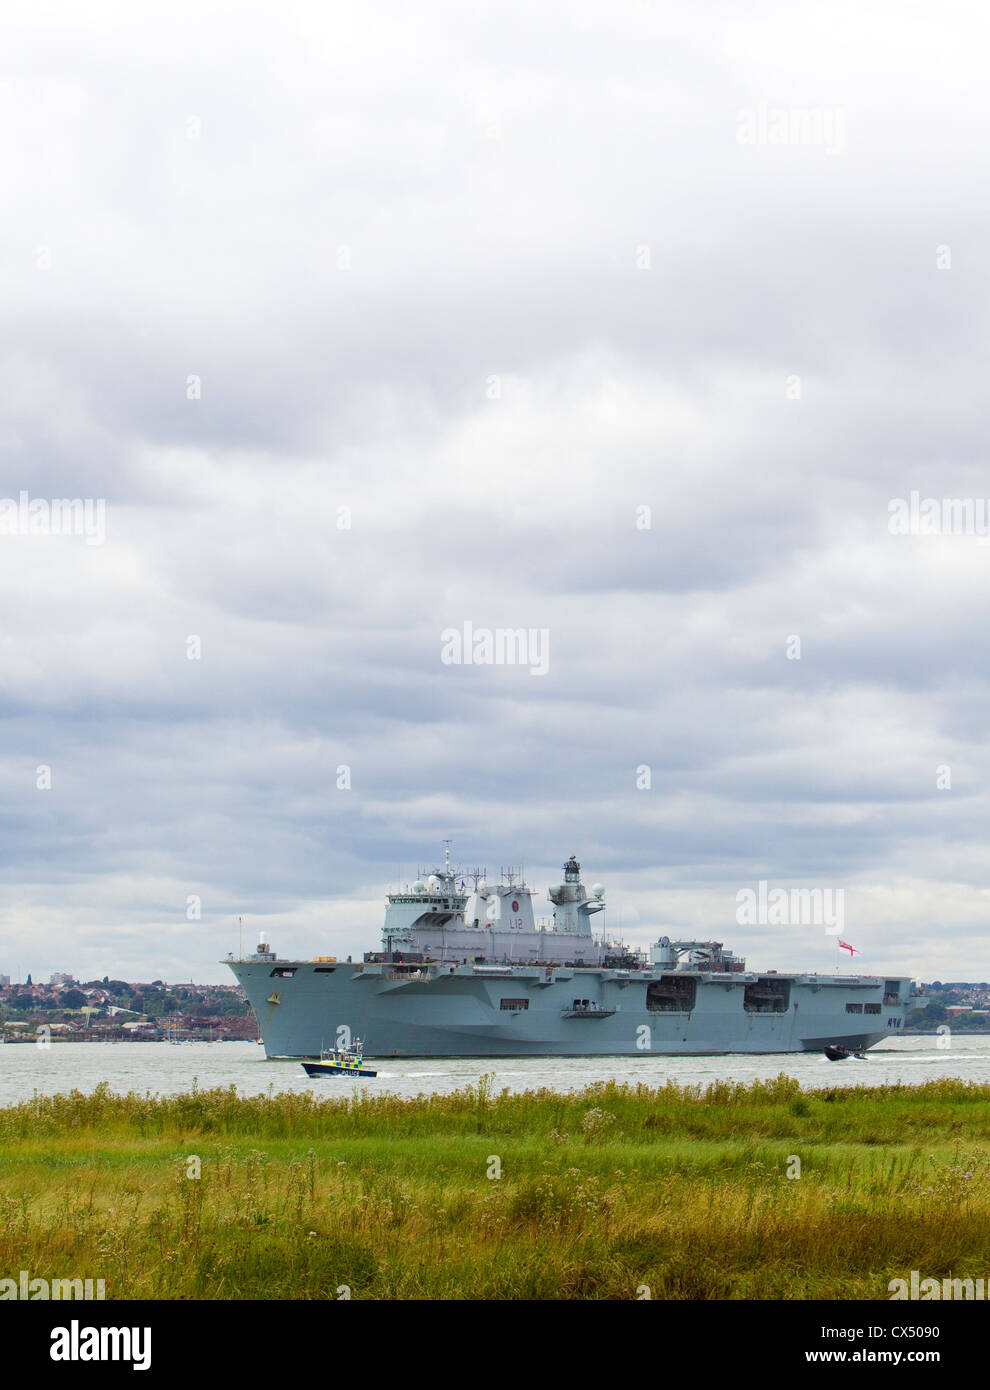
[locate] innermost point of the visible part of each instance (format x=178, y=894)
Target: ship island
x=465, y=970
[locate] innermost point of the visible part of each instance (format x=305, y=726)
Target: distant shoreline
x=32, y=1041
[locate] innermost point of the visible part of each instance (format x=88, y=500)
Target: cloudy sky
x=620, y=321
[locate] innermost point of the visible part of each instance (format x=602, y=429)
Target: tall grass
x=489, y=1194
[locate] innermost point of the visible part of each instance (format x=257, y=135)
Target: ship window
x=281, y=973
x=872, y=1008
x=767, y=996
x=854, y=1008
x=514, y=1005
x=671, y=994
x=324, y=970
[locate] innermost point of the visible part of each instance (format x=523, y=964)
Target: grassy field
x=483, y=1194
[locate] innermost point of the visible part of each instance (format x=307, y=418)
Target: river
x=168, y=1069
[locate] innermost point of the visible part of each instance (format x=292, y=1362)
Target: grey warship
x=487, y=980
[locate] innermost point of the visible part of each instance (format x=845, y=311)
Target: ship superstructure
x=462, y=917
x=465, y=969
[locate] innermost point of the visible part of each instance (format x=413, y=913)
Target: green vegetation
x=601, y=1192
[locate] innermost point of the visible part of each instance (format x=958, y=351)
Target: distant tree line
x=154, y=1000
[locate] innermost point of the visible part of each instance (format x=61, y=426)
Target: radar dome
x=482, y=886
x=598, y=890
x=433, y=882
x=419, y=886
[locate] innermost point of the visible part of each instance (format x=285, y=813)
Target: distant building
x=59, y=979
x=4, y=981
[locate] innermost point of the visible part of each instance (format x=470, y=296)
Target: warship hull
x=437, y=1010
